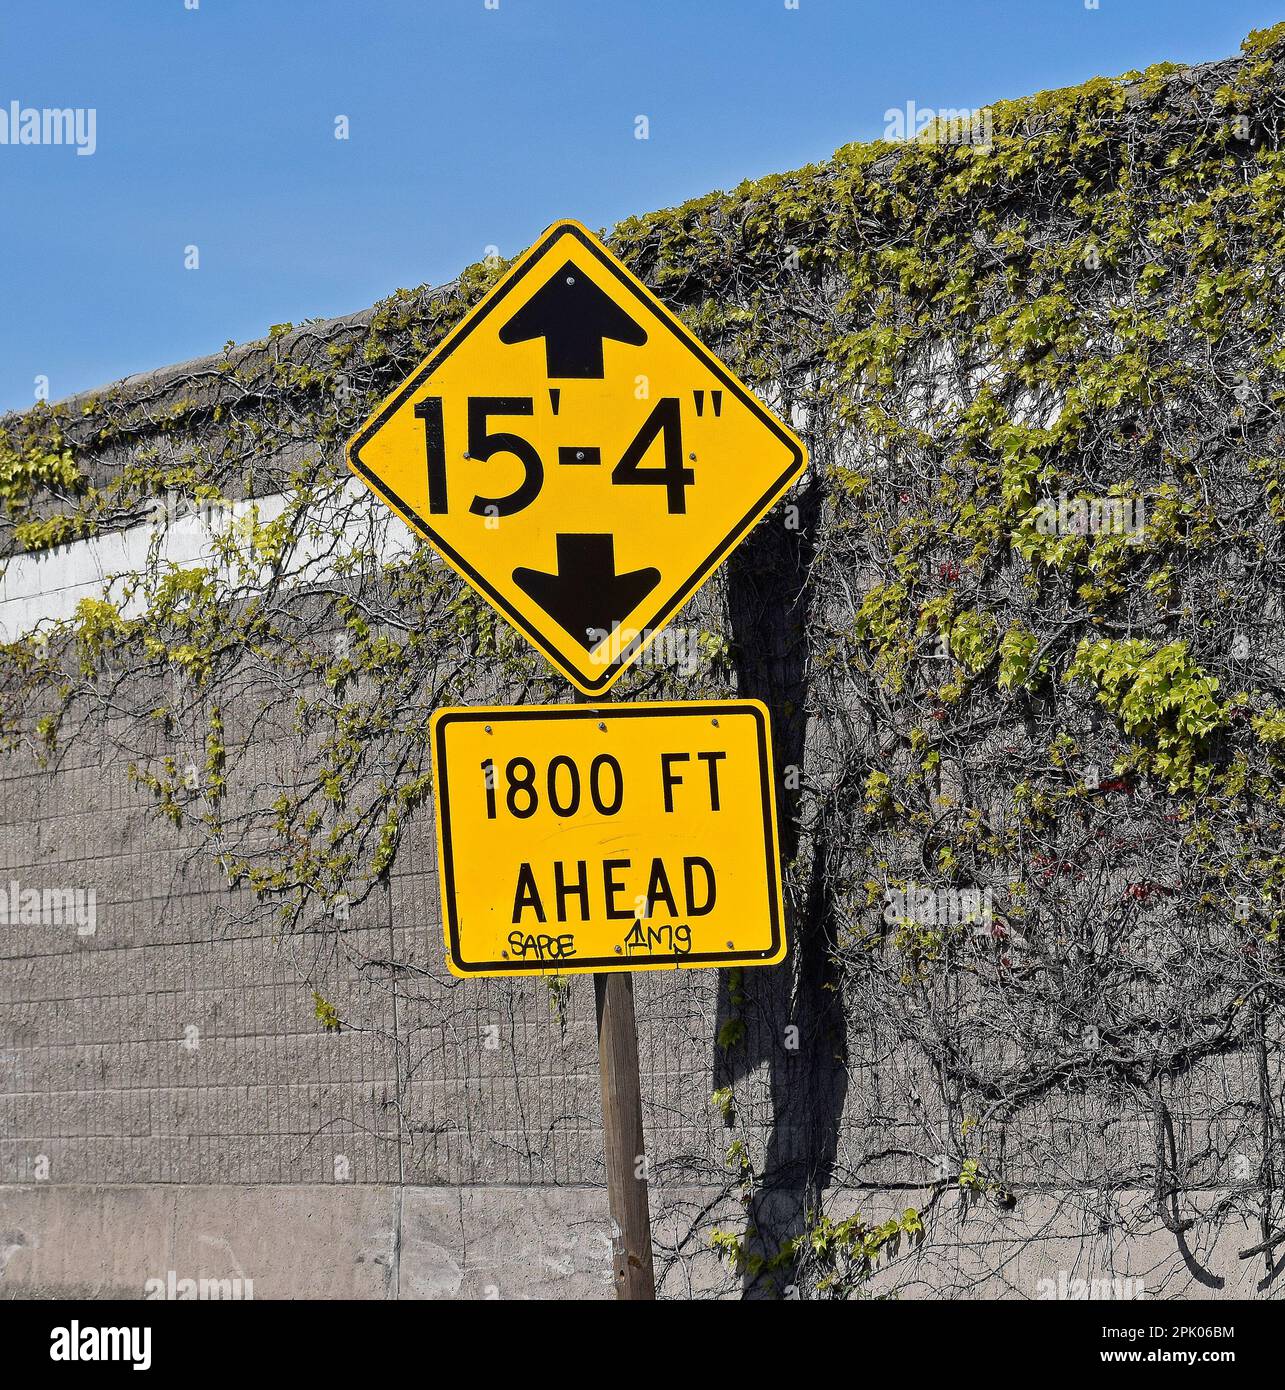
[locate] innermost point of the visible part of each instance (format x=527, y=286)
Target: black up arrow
x=573, y=316
x=587, y=596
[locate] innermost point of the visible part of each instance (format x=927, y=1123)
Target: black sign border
x=446, y=868
x=586, y=683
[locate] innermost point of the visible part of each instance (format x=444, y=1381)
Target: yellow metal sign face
x=578, y=456
x=631, y=837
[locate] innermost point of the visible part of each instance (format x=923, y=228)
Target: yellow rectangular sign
x=627, y=837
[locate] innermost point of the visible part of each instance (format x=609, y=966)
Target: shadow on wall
x=770, y=603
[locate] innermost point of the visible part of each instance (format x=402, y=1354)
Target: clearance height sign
x=631, y=837
x=578, y=456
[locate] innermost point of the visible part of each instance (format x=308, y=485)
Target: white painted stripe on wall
x=47, y=586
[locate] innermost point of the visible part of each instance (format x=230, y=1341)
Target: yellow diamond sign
x=578, y=456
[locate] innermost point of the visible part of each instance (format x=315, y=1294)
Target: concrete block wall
x=170, y=1103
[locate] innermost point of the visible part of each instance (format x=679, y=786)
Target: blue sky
x=469, y=127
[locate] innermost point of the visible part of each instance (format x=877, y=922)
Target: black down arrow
x=587, y=596
x=573, y=316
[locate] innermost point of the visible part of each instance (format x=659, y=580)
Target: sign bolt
x=487, y=727
x=603, y=727
x=714, y=722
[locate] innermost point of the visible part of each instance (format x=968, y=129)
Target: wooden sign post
x=624, y=1146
